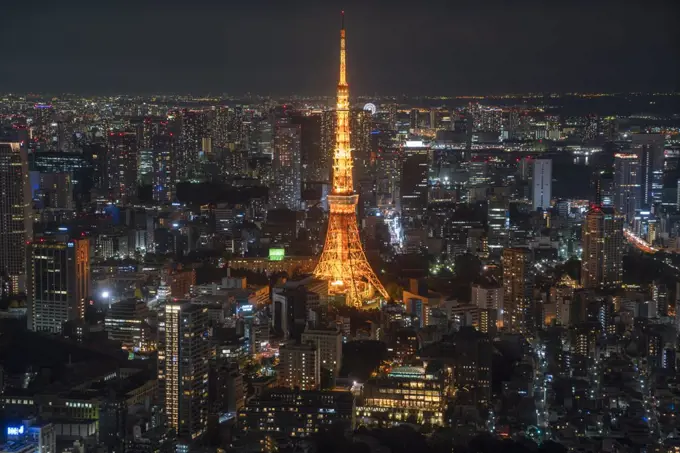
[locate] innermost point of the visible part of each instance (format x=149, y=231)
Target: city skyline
x=403, y=274
x=442, y=49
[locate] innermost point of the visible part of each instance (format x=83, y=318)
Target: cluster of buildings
x=189, y=274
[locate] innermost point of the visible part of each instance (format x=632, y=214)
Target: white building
x=329, y=345
x=542, y=184
x=487, y=297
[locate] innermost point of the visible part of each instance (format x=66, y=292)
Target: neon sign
x=15, y=430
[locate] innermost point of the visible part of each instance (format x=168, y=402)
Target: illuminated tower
x=343, y=262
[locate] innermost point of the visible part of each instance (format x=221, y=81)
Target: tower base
x=343, y=262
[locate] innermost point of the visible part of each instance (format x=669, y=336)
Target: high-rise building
x=542, y=184
x=489, y=119
x=329, y=345
x=414, y=182
x=360, y=142
x=478, y=171
x=58, y=283
x=286, y=163
x=42, y=119
x=52, y=190
x=517, y=289
x=414, y=121
x=16, y=224
x=434, y=120
x=184, y=354
x=602, y=259
x=310, y=144
x=299, y=366
x=473, y=363
x=163, y=169
x=488, y=297
x=650, y=151
x=498, y=223
x=126, y=322
x=193, y=129
x=343, y=262
x=627, y=190
x=121, y=165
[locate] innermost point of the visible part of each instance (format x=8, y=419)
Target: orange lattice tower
x=343, y=262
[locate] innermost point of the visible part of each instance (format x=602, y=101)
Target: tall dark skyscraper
x=627, y=191
x=602, y=260
x=286, y=165
x=193, y=130
x=121, y=165
x=650, y=151
x=16, y=223
x=164, y=169
x=517, y=289
x=414, y=182
x=414, y=120
x=42, y=119
x=311, y=162
x=58, y=283
x=360, y=141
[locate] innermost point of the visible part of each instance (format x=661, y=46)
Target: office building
x=603, y=242
x=121, y=165
x=414, y=120
x=407, y=395
x=329, y=345
x=414, y=182
x=58, y=283
x=226, y=391
x=193, y=130
x=127, y=322
x=627, y=188
x=650, y=151
x=311, y=160
x=498, y=223
x=300, y=366
x=184, y=352
x=473, y=363
x=542, y=184
x=42, y=121
x=488, y=297
x=297, y=413
x=52, y=190
x=517, y=290
x=360, y=142
x=286, y=164
x=16, y=223
x=291, y=308
x=163, y=169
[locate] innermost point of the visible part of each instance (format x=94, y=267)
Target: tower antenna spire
x=343, y=263
x=342, y=15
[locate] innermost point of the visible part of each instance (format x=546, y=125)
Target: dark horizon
x=394, y=48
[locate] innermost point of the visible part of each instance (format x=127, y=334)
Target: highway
x=638, y=242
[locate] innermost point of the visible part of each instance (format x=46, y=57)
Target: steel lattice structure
x=343, y=262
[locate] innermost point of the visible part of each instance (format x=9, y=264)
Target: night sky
x=281, y=47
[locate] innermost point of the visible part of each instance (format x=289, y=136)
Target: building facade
x=58, y=283
x=16, y=224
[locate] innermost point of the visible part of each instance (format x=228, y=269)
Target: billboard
x=277, y=254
